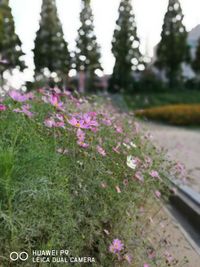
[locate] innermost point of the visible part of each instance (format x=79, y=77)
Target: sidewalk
x=182, y=145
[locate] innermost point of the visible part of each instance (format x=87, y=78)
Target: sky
x=149, y=18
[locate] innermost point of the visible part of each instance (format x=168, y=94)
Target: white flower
x=131, y=162
x=133, y=145
x=127, y=146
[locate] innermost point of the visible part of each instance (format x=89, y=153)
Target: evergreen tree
x=173, y=49
x=196, y=62
x=51, y=50
x=88, y=55
x=10, y=44
x=125, y=48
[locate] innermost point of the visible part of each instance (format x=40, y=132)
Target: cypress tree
x=51, y=50
x=10, y=45
x=125, y=48
x=196, y=62
x=173, y=49
x=87, y=56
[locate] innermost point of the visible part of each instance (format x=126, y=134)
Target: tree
x=173, y=49
x=125, y=48
x=87, y=56
x=10, y=45
x=196, y=62
x=51, y=50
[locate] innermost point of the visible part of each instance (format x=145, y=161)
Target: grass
x=57, y=194
x=149, y=100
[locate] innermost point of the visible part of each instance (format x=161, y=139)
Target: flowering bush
x=75, y=174
x=184, y=114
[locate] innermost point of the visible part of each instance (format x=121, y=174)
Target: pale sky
x=149, y=17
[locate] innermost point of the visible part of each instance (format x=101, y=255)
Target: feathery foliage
x=173, y=49
x=125, y=48
x=51, y=50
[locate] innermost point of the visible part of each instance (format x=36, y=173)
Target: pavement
x=180, y=144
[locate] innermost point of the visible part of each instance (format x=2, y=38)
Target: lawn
x=149, y=100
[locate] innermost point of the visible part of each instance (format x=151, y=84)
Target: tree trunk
x=81, y=80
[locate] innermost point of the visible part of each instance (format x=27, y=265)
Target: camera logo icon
x=14, y=256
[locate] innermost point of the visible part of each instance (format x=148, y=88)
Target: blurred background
x=145, y=53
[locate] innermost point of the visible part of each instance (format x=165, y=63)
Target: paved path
x=182, y=145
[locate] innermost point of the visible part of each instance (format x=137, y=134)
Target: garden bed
x=182, y=115
x=76, y=174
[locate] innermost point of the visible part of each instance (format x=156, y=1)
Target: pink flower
x=2, y=107
x=89, y=120
x=101, y=151
x=118, y=189
x=106, y=231
x=151, y=253
x=128, y=258
x=80, y=135
x=116, y=148
x=17, y=96
x=77, y=123
x=25, y=110
x=49, y=123
x=118, y=129
x=157, y=194
x=116, y=246
x=154, y=174
x=139, y=176
x=169, y=257
x=107, y=122
x=30, y=95
x=81, y=138
x=60, y=124
x=103, y=185
x=146, y=265
x=180, y=168
x=54, y=101
x=82, y=144
x=125, y=182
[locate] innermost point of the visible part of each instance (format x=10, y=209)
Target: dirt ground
x=168, y=230
x=182, y=145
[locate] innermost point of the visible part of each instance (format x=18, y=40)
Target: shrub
x=183, y=115
x=74, y=175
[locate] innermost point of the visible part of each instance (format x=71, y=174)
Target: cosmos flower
x=169, y=257
x=118, y=129
x=139, y=176
x=81, y=138
x=101, y=151
x=118, y=189
x=107, y=122
x=103, y=185
x=82, y=144
x=154, y=174
x=126, y=145
x=24, y=109
x=106, y=231
x=80, y=135
x=77, y=123
x=2, y=107
x=133, y=145
x=157, y=194
x=128, y=258
x=17, y=96
x=116, y=246
x=54, y=101
x=131, y=162
x=49, y=123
